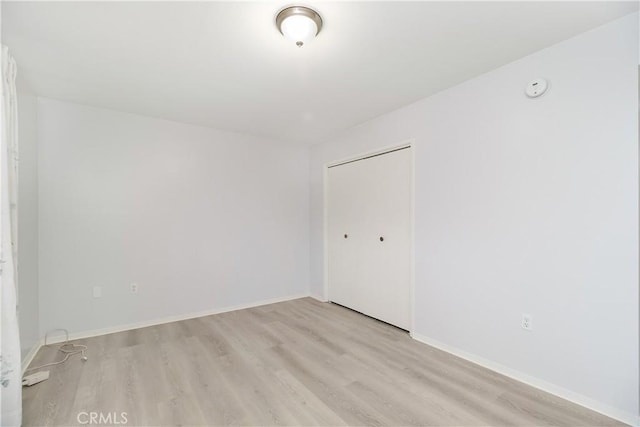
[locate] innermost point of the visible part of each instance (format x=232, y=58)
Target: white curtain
x=10, y=374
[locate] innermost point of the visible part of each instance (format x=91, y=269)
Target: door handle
x=381, y=239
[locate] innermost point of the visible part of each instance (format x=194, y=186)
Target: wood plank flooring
x=298, y=362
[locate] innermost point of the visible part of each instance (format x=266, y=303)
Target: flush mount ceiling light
x=299, y=24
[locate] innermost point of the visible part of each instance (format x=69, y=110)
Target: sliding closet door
x=369, y=236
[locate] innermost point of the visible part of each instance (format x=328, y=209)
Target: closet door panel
x=389, y=260
x=346, y=258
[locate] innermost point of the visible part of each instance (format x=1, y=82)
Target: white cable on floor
x=65, y=349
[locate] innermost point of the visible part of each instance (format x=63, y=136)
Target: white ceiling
x=224, y=64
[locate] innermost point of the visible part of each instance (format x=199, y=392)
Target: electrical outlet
x=134, y=288
x=527, y=322
x=97, y=292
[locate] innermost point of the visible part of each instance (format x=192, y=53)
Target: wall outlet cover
x=527, y=322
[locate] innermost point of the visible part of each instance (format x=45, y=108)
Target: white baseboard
x=594, y=405
x=145, y=323
x=30, y=355
x=318, y=298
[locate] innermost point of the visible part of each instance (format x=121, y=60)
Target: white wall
x=526, y=206
x=200, y=219
x=28, y=309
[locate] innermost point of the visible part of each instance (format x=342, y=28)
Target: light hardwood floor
x=299, y=362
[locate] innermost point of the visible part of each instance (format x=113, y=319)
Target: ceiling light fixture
x=299, y=24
